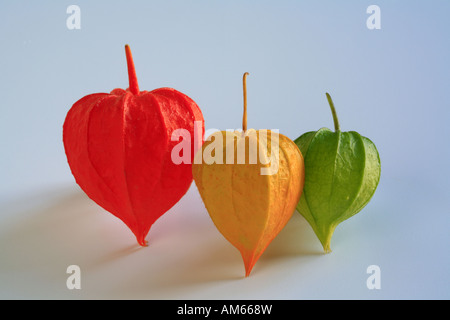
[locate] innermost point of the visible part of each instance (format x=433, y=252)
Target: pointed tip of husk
x=326, y=243
x=249, y=267
x=141, y=240
x=144, y=243
x=249, y=263
x=250, y=258
x=325, y=236
x=327, y=249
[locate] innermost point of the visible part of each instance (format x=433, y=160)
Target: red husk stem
x=134, y=87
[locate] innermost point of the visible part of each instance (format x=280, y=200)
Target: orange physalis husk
x=250, y=183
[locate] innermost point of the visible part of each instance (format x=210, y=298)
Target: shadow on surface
x=39, y=243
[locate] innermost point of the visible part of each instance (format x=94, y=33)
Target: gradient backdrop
x=390, y=85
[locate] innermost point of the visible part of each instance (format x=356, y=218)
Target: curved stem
x=133, y=86
x=244, y=118
x=333, y=111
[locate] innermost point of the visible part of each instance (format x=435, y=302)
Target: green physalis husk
x=342, y=171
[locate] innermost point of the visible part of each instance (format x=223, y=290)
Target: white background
x=389, y=85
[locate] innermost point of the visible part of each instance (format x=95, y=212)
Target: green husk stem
x=333, y=111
